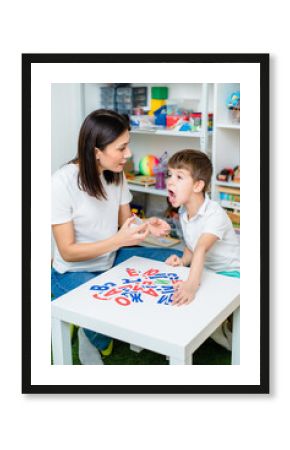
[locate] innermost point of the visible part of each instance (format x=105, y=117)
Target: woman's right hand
x=174, y=261
x=131, y=234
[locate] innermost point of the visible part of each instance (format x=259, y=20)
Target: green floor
x=208, y=353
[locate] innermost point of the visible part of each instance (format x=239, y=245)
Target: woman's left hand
x=158, y=227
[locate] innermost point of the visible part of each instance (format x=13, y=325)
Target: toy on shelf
x=160, y=171
x=233, y=100
x=153, y=171
x=231, y=194
x=230, y=200
x=142, y=122
x=142, y=180
x=159, y=95
x=160, y=116
x=137, y=210
x=167, y=114
x=229, y=174
x=187, y=121
x=236, y=177
x=147, y=164
x=195, y=120
x=225, y=174
x=233, y=104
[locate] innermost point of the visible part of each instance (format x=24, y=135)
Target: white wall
x=92, y=97
x=66, y=119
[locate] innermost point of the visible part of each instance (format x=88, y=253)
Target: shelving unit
x=222, y=144
x=156, y=141
x=226, y=146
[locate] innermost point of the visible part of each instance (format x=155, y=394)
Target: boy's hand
x=184, y=294
x=158, y=227
x=174, y=261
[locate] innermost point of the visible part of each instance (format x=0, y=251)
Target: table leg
x=186, y=360
x=236, y=338
x=61, y=342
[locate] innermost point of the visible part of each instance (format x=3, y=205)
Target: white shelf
x=229, y=204
x=160, y=132
x=148, y=190
x=229, y=126
x=228, y=184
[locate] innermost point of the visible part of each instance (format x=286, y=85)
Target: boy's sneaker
x=223, y=336
x=88, y=353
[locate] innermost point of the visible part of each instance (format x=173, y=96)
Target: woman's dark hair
x=197, y=163
x=99, y=129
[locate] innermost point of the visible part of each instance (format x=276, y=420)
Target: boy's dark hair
x=99, y=129
x=198, y=164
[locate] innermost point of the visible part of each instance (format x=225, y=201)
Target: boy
x=209, y=236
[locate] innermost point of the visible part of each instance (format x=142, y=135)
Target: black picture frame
x=263, y=61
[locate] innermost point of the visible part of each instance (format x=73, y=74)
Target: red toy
x=226, y=174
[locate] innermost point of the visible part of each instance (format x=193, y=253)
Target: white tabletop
x=163, y=328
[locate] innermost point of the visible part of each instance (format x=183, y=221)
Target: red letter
x=151, y=291
x=150, y=272
x=98, y=297
x=123, y=301
x=132, y=273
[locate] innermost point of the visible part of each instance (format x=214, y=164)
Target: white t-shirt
x=211, y=218
x=93, y=220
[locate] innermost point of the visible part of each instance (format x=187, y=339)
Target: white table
x=169, y=330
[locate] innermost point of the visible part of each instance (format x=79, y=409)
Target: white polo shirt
x=211, y=218
x=93, y=220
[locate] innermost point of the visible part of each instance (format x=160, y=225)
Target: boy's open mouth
x=171, y=196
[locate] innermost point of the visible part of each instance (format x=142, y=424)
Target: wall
x=92, y=97
x=66, y=118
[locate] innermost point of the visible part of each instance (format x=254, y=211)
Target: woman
x=91, y=218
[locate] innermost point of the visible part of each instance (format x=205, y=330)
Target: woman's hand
x=174, y=261
x=132, y=235
x=184, y=293
x=158, y=227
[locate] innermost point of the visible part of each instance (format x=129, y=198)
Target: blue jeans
x=61, y=283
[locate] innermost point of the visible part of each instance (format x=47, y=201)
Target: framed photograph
x=132, y=312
